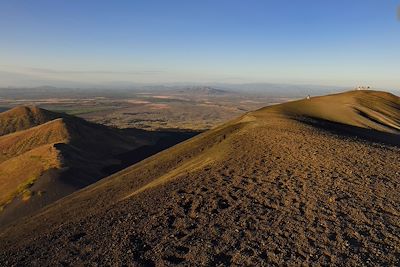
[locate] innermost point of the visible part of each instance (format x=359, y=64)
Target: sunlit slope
x=14, y=144
x=366, y=109
x=19, y=173
x=26, y=155
x=267, y=188
x=24, y=117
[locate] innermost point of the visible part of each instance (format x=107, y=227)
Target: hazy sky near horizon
x=82, y=42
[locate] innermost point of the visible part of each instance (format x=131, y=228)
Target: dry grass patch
x=20, y=173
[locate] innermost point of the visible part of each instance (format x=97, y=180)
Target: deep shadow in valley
x=163, y=140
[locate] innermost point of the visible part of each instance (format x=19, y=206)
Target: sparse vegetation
x=22, y=189
x=26, y=194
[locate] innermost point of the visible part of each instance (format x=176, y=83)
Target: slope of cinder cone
x=19, y=173
x=274, y=187
x=45, y=162
x=365, y=109
x=17, y=143
x=24, y=117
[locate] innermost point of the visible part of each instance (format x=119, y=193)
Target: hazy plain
x=185, y=108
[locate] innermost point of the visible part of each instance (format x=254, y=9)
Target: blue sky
x=81, y=42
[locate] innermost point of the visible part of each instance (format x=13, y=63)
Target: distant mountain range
x=265, y=89
x=203, y=90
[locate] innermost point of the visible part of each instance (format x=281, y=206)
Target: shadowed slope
x=264, y=188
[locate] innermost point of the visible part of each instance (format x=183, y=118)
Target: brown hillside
x=67, y=151
x=14, y=144
x=24, y=117
x=292, y=184
x=366, y=109
x=19, y=173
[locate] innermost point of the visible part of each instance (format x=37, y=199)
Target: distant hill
x=24, y=117
x=372, y=110
x=203, y=90
x=311, y=182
